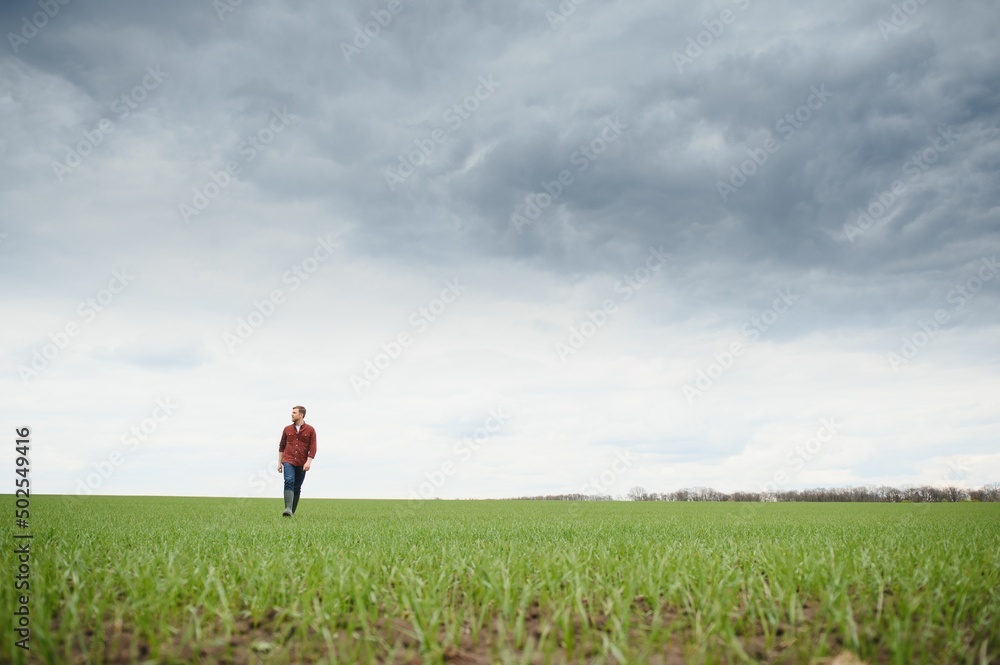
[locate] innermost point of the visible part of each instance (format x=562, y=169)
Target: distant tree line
x=866, y=494
x=567, y=497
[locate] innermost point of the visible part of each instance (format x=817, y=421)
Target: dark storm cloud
x=844, y=105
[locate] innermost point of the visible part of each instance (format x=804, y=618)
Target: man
x=295, y=455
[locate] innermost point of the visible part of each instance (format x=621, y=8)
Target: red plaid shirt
x=296, y=446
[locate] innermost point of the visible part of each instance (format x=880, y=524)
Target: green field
x=122, y=579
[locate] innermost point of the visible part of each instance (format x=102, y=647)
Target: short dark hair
x=300, y=409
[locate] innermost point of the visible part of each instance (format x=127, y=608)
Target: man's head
x=298, y=413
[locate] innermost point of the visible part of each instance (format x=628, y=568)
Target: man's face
x=295, y=415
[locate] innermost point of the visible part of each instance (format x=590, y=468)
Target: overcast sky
x=500, y=249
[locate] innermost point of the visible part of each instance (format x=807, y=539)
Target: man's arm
x=312, y=451
x=281, y=450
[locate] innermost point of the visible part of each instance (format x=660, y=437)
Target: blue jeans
x=294, y=475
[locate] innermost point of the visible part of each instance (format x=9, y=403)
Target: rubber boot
x=295, y=504
x=288, y=503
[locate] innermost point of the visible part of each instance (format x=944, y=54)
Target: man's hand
x=281, y=467
x=305, y=467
